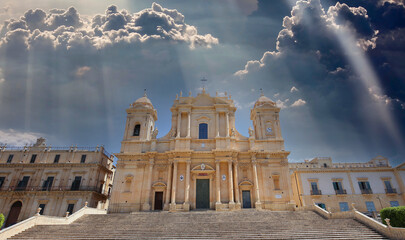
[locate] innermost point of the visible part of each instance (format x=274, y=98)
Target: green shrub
x=2, y=218
x=395, y=214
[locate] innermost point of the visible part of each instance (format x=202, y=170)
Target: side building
x=57, y=180
x=371, y=186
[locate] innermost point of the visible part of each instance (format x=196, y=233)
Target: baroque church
x=203, y=162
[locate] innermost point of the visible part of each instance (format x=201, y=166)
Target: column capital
x=217, y=161
x=188, y=161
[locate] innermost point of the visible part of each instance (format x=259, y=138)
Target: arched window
x=137, y=130
x=203, y=131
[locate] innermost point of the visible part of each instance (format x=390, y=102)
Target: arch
x=14, y=213
x=137, y=130
x=203, y=131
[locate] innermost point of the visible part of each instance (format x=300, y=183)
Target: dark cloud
x=312, y=54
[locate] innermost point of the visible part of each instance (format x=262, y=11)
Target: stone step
x=246, y=224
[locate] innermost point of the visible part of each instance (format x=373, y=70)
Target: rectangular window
x=321, y=205
x=42, y=206
x=10, y=158
x=70, y=208
x=83, y=160
x=33, y=157
x=47, y=184
x=387, y=184
x=344, y=206
x=314, y=189
x=337, y=186
x=23, y=183
x=203, y=131
x=56, y=160
x=394, y=203
x=370, y=206
x=2, y=179
x=76, y=184
x=365, y=188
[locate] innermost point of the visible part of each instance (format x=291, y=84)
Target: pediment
x=203, y=167
x=203, y=100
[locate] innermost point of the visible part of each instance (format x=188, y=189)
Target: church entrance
x=13, y=214
x=246, y=199
x=158, y=200
x=202, y=194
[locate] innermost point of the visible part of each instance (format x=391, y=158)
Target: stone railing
x=388, y=231
x=47, y=220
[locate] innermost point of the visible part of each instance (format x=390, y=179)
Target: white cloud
x=299, y=103
x=282, y=104
x=82, y=70
x=1, y=76
x=385, y=99
x=294, y=89
x=16, y=138
x=276, y=95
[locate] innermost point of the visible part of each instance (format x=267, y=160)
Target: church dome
x=264, y=100
x=142, y=102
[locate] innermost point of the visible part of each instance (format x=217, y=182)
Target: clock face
x=269, y=130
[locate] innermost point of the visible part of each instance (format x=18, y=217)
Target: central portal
x=202, y=194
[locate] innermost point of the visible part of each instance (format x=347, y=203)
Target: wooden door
x=246, y=199
x=13, y=214
x=202, y=194
x=158, y=200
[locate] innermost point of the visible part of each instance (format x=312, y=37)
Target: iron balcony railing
x=340, y=192
x=390, y=190
x=366, y=191
x=316, y=192
x=55, y=188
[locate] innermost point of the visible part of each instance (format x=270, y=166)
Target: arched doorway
x=13, y=214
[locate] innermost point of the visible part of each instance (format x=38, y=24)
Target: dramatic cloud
x=324, y=55
x=15, y=138
x=62, y=70
x=66, y=29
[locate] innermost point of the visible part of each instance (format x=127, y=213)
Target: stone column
x=186, y=205
x=169, y=184
x=178, y=123
x=188, y=124
x=258, y=204
x=174, y=183
x=217, y=123
x=235, y=181
x=227, y=124
x=146, y=205
x=230, y=185
x=218, y=185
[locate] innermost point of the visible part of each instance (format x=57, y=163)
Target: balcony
x=55, y=189
x=366, y=191
x=391, y=191
x=316, y=192
x=341, y=192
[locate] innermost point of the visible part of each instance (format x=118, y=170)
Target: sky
x=69, y=69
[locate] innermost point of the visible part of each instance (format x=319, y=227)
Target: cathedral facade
x=203, y=162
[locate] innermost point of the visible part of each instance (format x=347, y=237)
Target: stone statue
x=233, y=132
x=251, y=132
x=155, y=133
x=40, y=142
x=172, y=133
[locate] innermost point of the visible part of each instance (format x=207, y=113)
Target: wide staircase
x=245, y=224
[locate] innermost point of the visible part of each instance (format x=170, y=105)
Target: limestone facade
x=56, y=179
x=203, y=162
x=370, y=186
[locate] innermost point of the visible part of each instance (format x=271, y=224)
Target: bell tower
x=265, y=117
x=141, y=117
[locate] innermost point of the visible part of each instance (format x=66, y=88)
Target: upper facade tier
x=202, y=123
